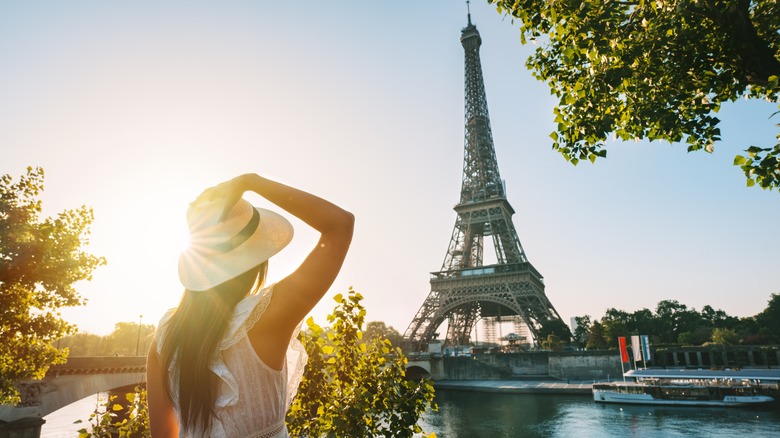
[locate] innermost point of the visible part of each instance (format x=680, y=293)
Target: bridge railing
x=98, y=365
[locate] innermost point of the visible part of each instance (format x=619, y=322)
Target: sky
x=133, y=108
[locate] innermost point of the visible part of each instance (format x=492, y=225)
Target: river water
x=475, y=414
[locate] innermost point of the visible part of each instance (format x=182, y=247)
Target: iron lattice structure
x=465, y=290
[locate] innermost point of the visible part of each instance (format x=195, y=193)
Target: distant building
x=573, y=323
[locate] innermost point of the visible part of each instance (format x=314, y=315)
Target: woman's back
x=262, y=395
x=252, y=398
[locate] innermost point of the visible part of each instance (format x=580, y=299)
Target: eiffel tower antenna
x=468, y=10
x=466, y=290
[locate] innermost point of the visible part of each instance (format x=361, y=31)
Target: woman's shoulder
x=162, y=327
x=245, y=315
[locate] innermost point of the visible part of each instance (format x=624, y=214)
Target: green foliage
x=615, y=323
x=121, y=342
x=552, y=342
x=697, y=336
x=378, y=329
x=674, y=323
x=761, y=170
x=555, y=327
x=596, y=338
x=658, y=70
x=718, y=318
x=355, y=387
x=84, y=344
x=674, y=318
x=724, y=336
x=40, y=261
x=128, y=418
x=580, y=335
x=768, y=320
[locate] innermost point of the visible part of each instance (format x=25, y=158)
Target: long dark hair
x=193, y=333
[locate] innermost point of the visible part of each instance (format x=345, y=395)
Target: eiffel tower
x=465, y=290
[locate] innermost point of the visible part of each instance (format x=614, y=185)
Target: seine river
x=474, y=414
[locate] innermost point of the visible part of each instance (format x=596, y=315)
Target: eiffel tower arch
x=466, y=290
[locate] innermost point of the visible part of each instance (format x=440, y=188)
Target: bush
x=109, y=420
x=353, y=387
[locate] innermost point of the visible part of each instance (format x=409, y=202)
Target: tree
x=40, y=261
x=130, y=339
x=125, y=340
x=353, y=386
x=581, y=331
x=552, y=342
x=725, y=336
x=718, y=318
x=642, y=321
x=84, y=344
x=614, y=324
x=378, y=329
x=654, y=70
x=768, y=320
x=596, y=339
x=675, y=318
x=696, y=336
x=555, y=327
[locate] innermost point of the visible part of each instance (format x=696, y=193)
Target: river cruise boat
x=690, y=387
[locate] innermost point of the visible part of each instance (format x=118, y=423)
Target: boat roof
x=756, y=374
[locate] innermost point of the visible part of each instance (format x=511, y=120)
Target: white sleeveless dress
x=252, y=398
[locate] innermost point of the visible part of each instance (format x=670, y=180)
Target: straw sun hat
x=222, y=249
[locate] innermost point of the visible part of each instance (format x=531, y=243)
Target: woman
x=220, y=366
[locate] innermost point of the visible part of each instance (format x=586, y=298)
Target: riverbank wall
x=594, y=365
x=541, y=365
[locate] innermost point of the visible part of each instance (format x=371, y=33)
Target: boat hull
x=601, y=396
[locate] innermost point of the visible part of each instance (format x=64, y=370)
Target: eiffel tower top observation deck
x=465, y=290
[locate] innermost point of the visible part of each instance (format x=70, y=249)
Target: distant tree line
x=127, y=339
x=673, y=323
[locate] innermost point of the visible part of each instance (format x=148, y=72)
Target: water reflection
x=472, y=414
x=475, y=414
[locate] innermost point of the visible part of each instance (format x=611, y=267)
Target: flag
x=635, y=348
x=623, y=352
x=645, y=346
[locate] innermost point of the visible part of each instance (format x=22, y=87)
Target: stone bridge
x=424, y=365
x=64, y=384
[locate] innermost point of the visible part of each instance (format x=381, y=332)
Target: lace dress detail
x=252, y=398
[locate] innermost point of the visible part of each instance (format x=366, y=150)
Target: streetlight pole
x=138, y=339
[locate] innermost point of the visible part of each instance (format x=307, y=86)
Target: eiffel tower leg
x=461, y=323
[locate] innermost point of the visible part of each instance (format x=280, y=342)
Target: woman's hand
x=228, y=192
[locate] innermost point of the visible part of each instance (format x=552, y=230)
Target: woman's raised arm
x=303, y=288
x=298, y=293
